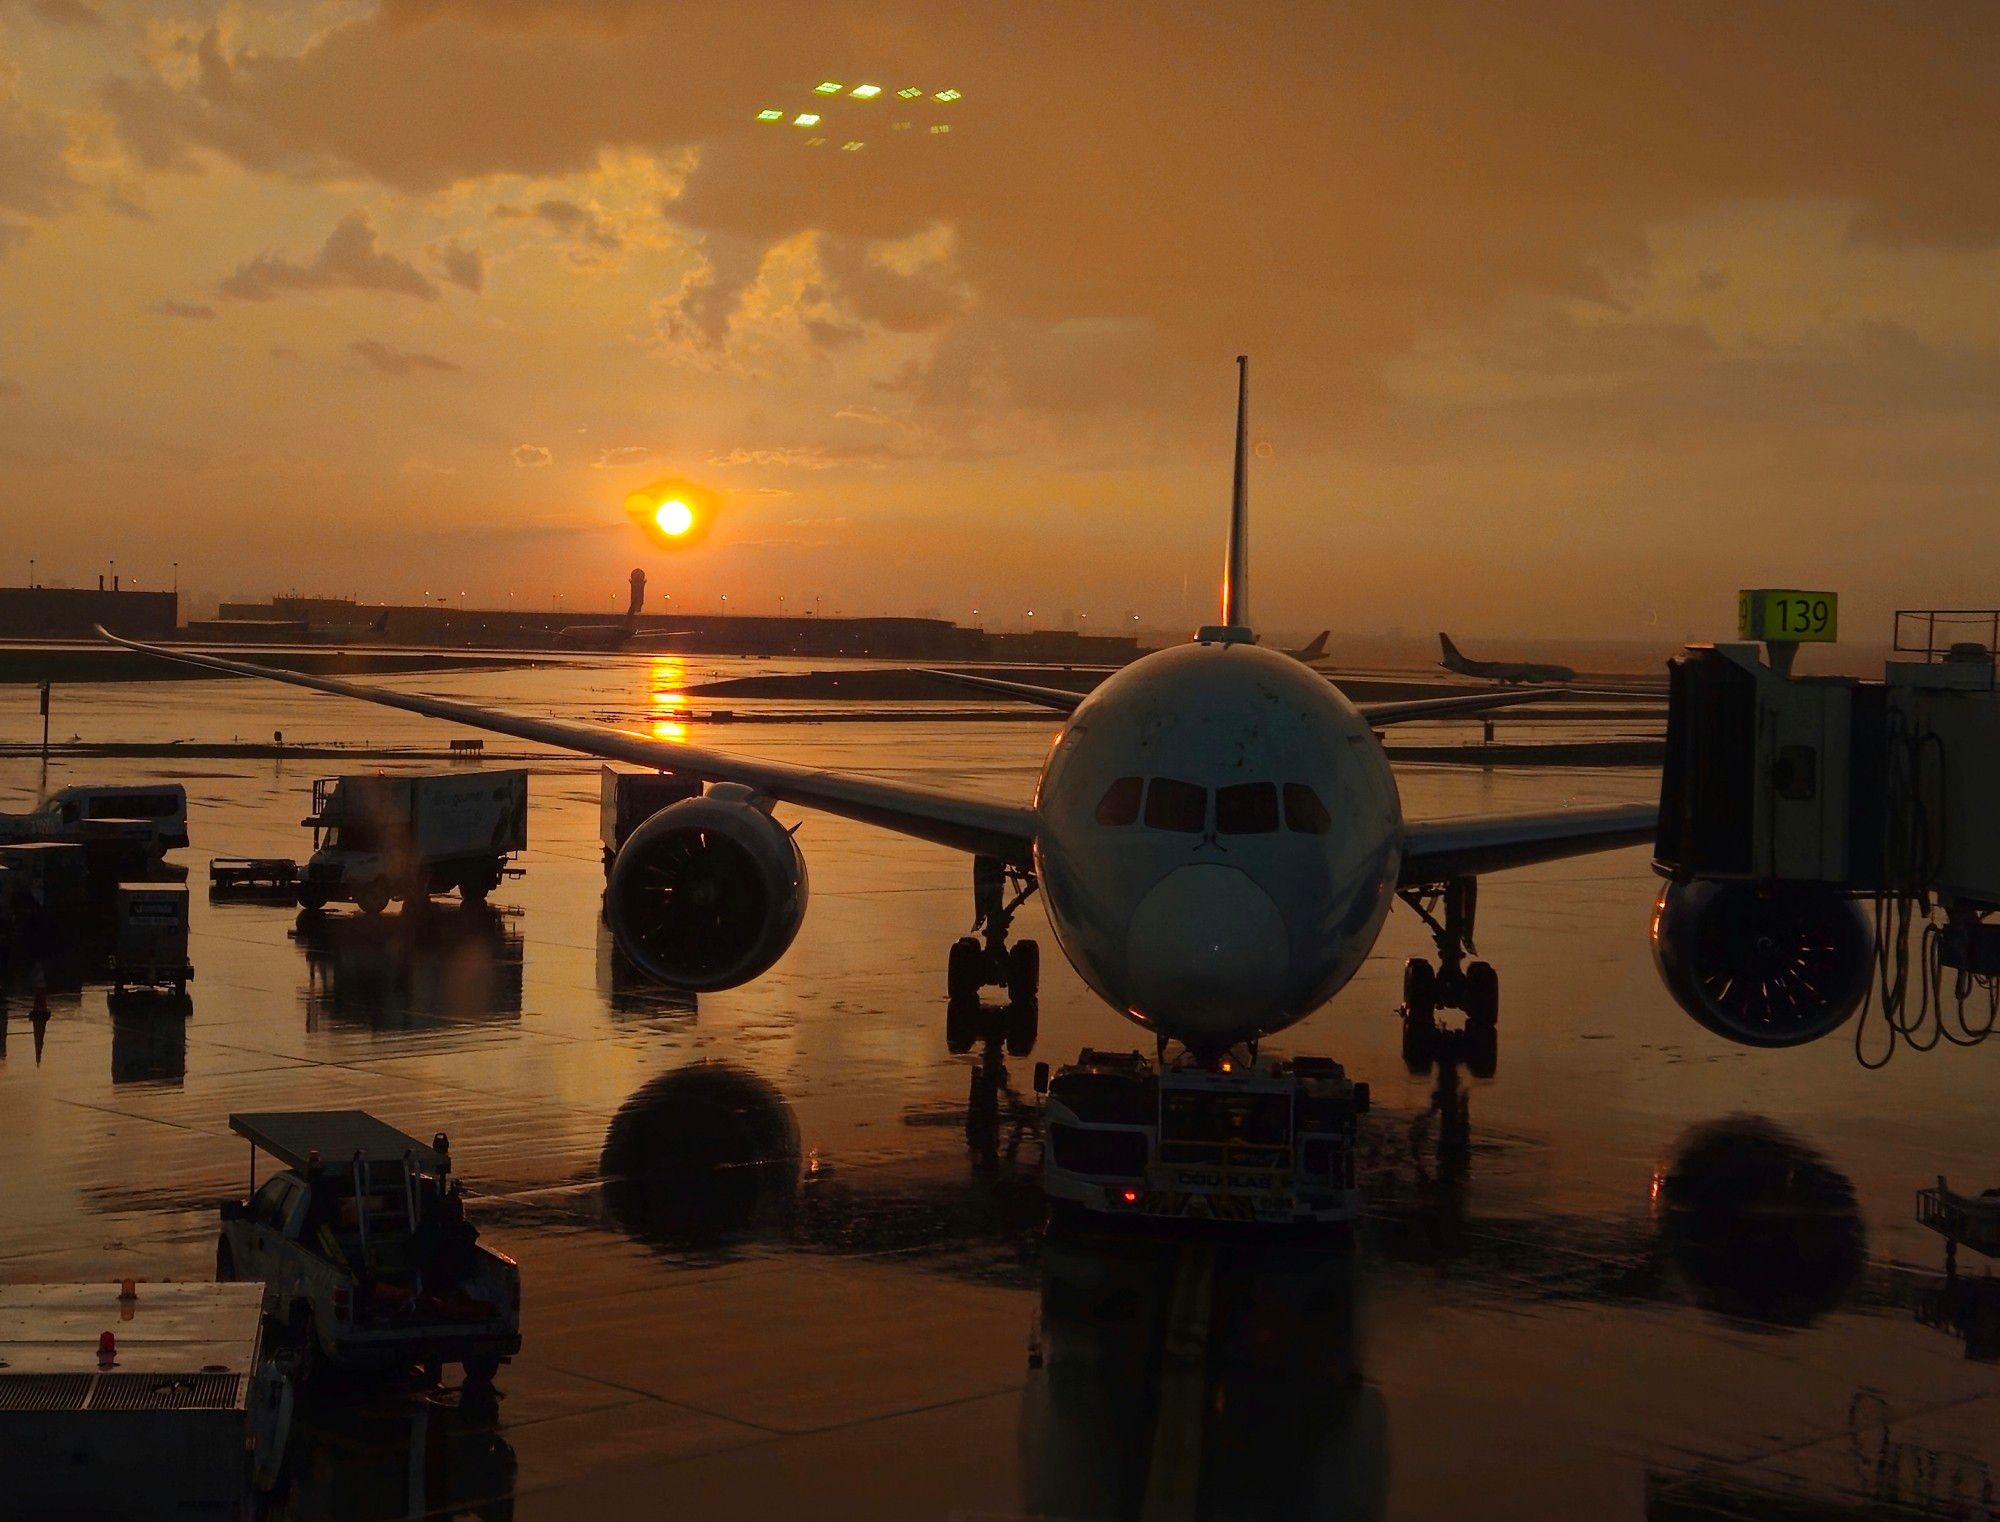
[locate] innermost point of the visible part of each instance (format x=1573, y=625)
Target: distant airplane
x=1501, y=671
x=1313, y=651
x=616, y=636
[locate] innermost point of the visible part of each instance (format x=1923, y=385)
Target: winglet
x=1236, y=568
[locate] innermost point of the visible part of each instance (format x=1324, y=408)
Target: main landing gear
x=1448, y=909
x=998, y=890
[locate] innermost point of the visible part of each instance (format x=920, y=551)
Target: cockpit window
x=1172, y=805
x=1249, y=808
x=1304, y=812
x=1120, y=803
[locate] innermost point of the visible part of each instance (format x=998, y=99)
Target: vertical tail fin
x=1451, y=654
x=1317, y=648
x=1236, y=565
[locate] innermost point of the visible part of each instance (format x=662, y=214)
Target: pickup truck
x=364, y=1250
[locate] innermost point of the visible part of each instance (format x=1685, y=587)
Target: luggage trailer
x=1268, y=1141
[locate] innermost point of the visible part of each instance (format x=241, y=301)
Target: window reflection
x=1249, y=808
x=1175, y=805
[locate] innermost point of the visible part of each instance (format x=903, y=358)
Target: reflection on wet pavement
x=1652, y=1275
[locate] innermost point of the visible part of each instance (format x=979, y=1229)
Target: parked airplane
x=1314, y=651
x=1216, y=830
x=621, y=634
x=1501, y=671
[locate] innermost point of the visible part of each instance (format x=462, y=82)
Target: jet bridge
x=1833, y=843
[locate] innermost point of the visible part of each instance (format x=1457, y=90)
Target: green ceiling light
x=770, y=116
x=865, y=92
x=805, y=119
x=828, y=87
x=908, y=94
x=853, y=146
x=947, y=96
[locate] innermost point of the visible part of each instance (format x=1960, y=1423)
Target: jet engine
x=707, y=893
x=1774, y=965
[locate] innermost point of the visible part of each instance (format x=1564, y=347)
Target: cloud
x=348, y=260
x=532, y=456
x=805, y=457
x=67, y=13
x=621, y=455
x=463, y=267
x=35, y=177
x=12, y=236
x=393, y=361
x=192, y=309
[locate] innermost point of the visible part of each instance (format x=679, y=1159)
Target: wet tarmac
x=1664, y=1278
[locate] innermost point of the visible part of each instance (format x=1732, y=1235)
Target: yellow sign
x=1771, y=613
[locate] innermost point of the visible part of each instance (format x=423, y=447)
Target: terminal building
x=328, y=620
x=75, y=612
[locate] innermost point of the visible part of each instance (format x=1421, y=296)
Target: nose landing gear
x=975, y=966
x=998, y=890
x=1452, y=984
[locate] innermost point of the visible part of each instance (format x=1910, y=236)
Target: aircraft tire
x=1420, y=988
x=962, y=972
x=1024, y=972
x=1482, y=995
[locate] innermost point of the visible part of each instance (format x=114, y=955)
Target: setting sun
x=674, y=517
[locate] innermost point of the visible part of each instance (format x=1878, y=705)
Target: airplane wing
x=964, y=824
x=1060, y=699
x=1439, y=849
x=1402, y=711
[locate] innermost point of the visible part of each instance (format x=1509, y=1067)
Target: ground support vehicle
x=138, y=1400
x=378, y=838
x=363, y=1247
x=1268, y=1140
x=254, y=877
x=150, y=938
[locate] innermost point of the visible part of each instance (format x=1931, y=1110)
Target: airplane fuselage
x=1218, y=841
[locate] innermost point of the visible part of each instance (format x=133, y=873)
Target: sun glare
x=674, y=517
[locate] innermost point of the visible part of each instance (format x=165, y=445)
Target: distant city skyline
x=1564, y=320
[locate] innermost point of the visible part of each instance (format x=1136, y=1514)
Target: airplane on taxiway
x=1500, y=671
x=1216, y=833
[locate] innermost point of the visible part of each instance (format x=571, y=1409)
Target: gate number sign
x=1772, y=613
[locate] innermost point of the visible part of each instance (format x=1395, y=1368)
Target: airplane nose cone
x=1207, y=951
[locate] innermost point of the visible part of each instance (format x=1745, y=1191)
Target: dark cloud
x=12, y=236
x=35, y=177
x=348, y=260
x=193, y=309
x=67, y=13
x=393, y=361
x=532, y=456
x=463, y=267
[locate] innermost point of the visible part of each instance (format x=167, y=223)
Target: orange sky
x=1564, y=319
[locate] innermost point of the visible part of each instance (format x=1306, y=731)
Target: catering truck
x=377, y=837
